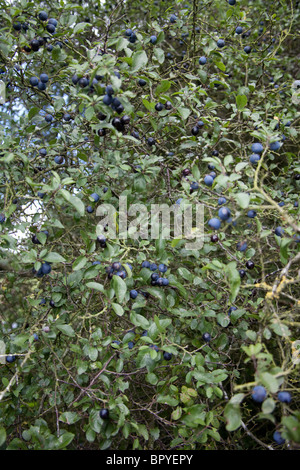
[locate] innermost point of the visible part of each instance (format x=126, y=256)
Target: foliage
x=90, y=345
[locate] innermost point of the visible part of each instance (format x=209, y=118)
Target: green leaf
x=186, y=274
x=166, y=399
x=232, y=412
x=69, y=417
x=139, y=320
x=148, y=105
x=176, y=414
x=159, y=54
x=196, y=172
x=2, y=436
x=59, y=103
x=20, y=340
x=80, y=27
x=292, y=426
x=269, y=381
x=241, y=101
x=221, y=66
x=139, y=60
x=228, y=160
x=156, y=292
x=53, y=257
x=234, y=280
x=142, y=431
x=279, y=328
x=233, y=417
x=242, y=199
x=118, y=309
x=119, y=287
x=121, y=44
x=214, y=434
x=284, y=244
x=17, y=444
x=91, y=272
x=66, y=330
x=162, y=87
x=42, y=237
x=64, y=440
x=90, y=435
x=29, y=257
x=202, y=75
x=73, y=200
x=152, y=378
x=184, y=113
x=95, y=285
x=236, y=399
x=33, y=112
x=79, y=263
x=92, y=353
x=268, y=406
x=223, y=320
x=194, y=416
x=89, y=113
x=144, y=359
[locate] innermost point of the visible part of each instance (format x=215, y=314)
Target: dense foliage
x=141, y=343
